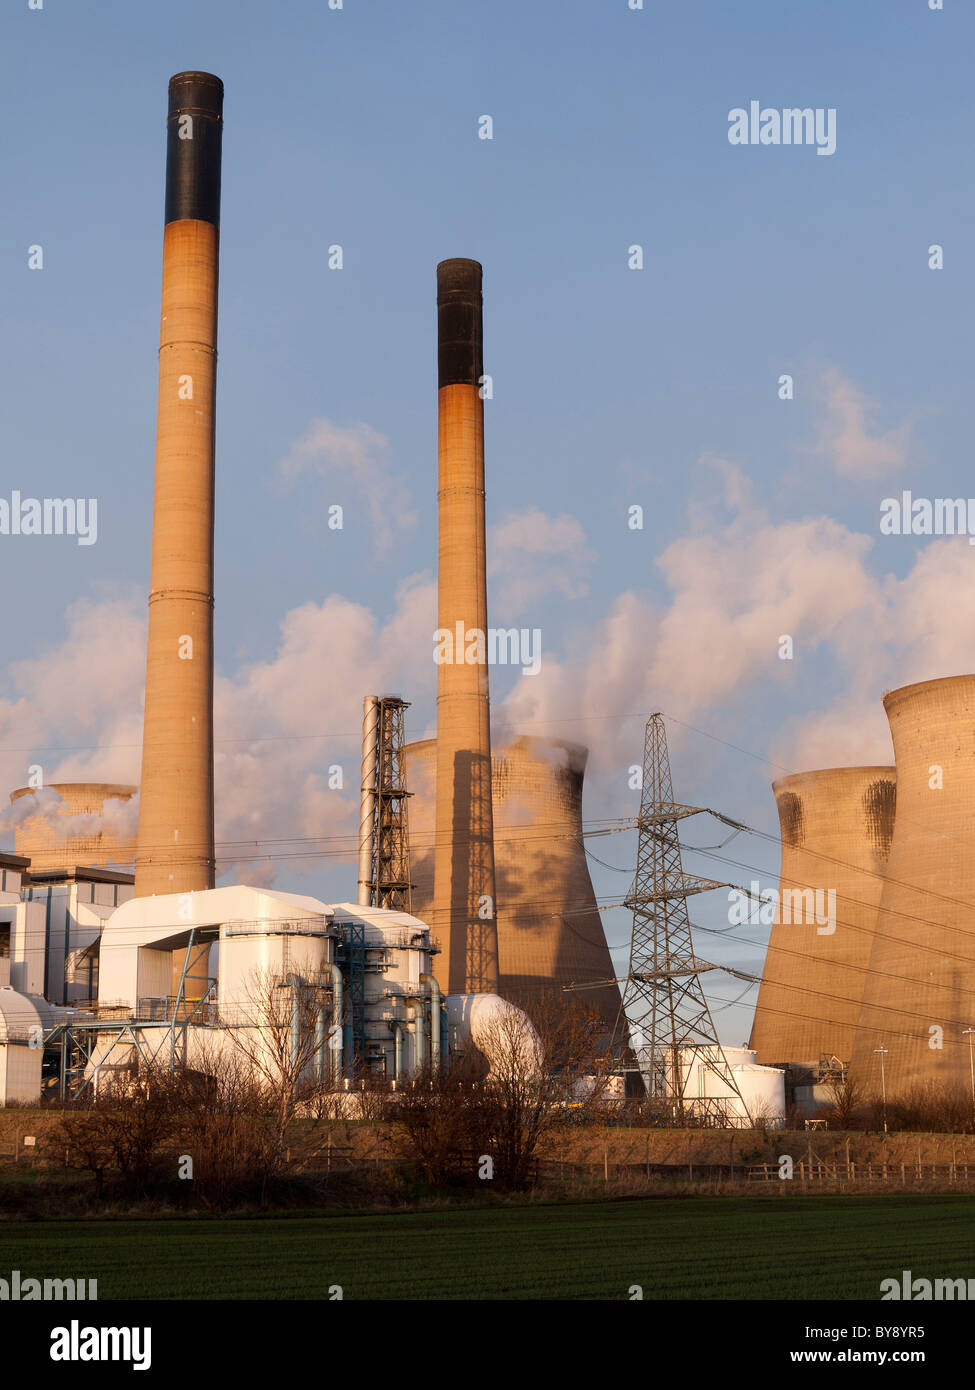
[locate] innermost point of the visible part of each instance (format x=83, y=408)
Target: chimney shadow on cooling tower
x=473, y=926
x=551, y=933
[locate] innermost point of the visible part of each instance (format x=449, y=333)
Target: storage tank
x=89, y=845
x=920, y=995
x=549, y=930
x=761, y=1088
x=502, y=1032
x=836, y=826
x=252, y=953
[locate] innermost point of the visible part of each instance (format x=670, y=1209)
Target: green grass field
x=697, y=1248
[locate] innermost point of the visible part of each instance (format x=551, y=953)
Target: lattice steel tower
x=663, y=1001
x=391, y=853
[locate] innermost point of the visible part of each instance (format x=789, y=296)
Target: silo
x=549, y=929
x=92, y=844
x=921, y=994
x=836, y=826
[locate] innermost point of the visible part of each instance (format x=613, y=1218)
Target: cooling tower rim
x=794, y=779
x=920, y=688
x=108, y=790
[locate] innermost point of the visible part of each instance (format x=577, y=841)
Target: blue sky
x=612, y=387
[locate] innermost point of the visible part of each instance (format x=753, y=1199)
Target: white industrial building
x=377, y=1007
x=728, y=1081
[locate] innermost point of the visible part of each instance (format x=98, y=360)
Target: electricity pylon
x=669, y=1021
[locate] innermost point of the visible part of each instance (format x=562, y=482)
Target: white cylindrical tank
x=761, y=1088
x=248, y=955
x=497, y=1028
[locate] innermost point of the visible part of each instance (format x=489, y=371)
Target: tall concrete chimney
x=174, y=852
x=464, y=890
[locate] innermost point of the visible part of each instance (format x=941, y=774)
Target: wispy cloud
x=532, y=556
x=356, y=460
x=848, y=435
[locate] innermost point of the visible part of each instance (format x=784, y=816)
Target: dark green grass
x=696, y=1248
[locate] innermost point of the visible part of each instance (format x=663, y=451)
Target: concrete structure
x=464, y=897
x=836, y=827
x=175, y=851
x=923, y=958
x=549, y=929
x=86, y=836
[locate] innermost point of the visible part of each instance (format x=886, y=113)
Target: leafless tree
x=503, y=1097
x=275, y=1036
x=846, y=1099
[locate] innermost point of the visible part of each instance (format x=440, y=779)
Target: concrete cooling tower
x=549, y=928
x=921, y=994
x=89, y=844
x=836, y=827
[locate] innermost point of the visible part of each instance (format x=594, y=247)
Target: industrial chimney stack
x=464, y=889
x=175, y=851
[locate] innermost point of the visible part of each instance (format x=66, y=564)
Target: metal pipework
x=175, y=850
x=295, y=983
x=335, y=1041
x=396, y=1026
x=321, y=1048
x=434, y=1021
x=367, y=801
x=418, y=1051
x=464, y=904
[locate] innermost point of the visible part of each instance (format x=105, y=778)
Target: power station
x=473, y=897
